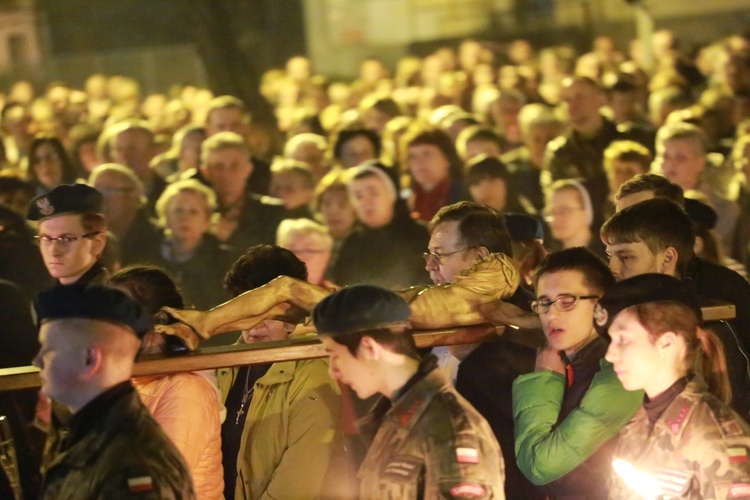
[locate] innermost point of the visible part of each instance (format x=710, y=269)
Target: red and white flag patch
x=737, y=454
x=140, y=484
x=467, y=455
x=739, y=491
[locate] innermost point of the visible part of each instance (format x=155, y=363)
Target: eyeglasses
x=65, y=241
x=437, y=258
x=563, y=303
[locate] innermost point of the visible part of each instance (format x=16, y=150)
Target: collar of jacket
x=413, y=402
x=590, y=355
x=91, y=428
x=279, y=373
x=673, y=420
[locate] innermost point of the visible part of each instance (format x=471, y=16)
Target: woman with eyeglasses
x=684, y=441
x=571, y=217
x=49, y=164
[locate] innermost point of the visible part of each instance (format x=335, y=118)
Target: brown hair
x=705, y=352
x=396, y=339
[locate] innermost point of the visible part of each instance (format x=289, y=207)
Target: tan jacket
x=292, y=443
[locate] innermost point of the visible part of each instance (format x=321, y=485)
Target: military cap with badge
x=66, y=199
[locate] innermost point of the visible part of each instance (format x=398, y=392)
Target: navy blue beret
x=92, y=302
x=522, y=227
x=359, y=308
x=66, y=199
x=642, y=289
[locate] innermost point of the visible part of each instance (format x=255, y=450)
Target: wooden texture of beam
x=27, y=377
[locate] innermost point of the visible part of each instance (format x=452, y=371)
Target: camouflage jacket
x=698, y=448
x=117, y=451
x=432, y=444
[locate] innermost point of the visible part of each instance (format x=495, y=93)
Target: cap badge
x=44, y=206
x=600, y=315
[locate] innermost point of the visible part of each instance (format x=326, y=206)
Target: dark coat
x=258, y=222
x=138, y=244
x=202, y=276
x=389, y=256
x=115, y=448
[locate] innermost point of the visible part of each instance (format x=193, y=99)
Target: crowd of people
x=590, y=202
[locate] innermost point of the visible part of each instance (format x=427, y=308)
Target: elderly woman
x=684, y=441
x=386, y=250
x=187, y=249
x=49, y=164
x=435, y=171
x=185, y=404
x=333, y=209
x=570, y=215
x=310, y=243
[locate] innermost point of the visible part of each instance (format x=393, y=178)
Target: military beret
x=359, y=308
x=522, y=227
x=92, y=302
x=701, y=213
x=642, y=289
x=66, y=199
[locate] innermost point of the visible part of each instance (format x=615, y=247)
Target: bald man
x=113, y=448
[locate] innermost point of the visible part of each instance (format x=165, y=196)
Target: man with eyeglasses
x=568, y=410
x=463, y=236
x=72, y=233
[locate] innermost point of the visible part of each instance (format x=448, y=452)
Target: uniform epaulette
x=726, y=422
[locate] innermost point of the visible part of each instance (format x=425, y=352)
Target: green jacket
x=119, y=451
x=546, y=450
x=292, y=444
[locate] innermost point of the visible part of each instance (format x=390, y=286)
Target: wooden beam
x=27, y=377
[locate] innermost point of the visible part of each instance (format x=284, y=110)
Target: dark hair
x=484, y=167
x=11, y=182
x=661, y=186
x=397, y=340
x=347, y=134
x=705, y=351
x=385, y=105
x=150, y=286
x=596, y=273
x=482, y=133
x=624, y=83
x=419, y=136
x=68, y=168
x=261, y=264
x=658, y=223
x=478, y=226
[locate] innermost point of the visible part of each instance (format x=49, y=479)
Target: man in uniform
x=428, y=441
x=113, y=448
x=72, y=233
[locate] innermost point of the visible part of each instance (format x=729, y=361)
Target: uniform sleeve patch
x=467, y=490
x=739, y=491
x=467, y=455
x=403, y=468
x=672, y=482
x=140, y=484
x=737, y=454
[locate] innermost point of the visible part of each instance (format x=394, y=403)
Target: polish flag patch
x=737, y=454
x=140, y=484
x=467, y=456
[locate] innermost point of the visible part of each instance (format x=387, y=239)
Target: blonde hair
x=187, y=185
x=289, y=228
x=221, y=141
